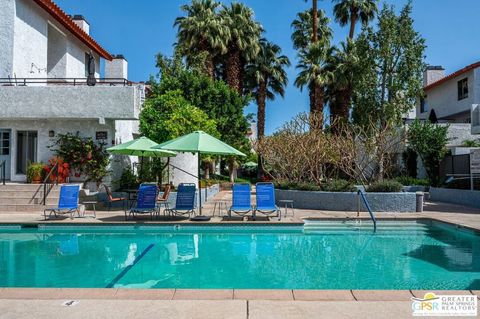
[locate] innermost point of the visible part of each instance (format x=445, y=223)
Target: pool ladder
x=361, y=195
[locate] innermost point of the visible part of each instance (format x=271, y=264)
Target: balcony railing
x=62, y=81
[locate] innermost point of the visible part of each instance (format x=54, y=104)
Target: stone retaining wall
x=379, y=202
x=456, y=196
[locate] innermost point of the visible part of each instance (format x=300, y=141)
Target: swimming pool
x=326, y=255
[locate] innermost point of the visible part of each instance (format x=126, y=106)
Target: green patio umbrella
x=201, y=143
x=140, y=147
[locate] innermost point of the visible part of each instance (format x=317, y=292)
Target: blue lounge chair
x=185, y=202
x=146, y=201
x=266, y=201
x=241, y=201
x=67, y=203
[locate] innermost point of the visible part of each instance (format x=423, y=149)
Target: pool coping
x=35, y=224
x=352, y=295
x=220, y=294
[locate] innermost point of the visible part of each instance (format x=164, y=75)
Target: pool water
x=326, y=255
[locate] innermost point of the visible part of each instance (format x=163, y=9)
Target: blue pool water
x=329, y=255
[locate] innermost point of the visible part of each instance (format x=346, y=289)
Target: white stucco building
x=44, y=56
x=452, y=99
x=43, y=67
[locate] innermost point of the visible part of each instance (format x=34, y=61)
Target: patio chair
x=67, y=203
x=146, y=201
x=110, y=199
x=266, y=201
x=241, y=201
x=185, y=202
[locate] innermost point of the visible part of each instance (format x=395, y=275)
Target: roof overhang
x=452, y=76
x=61, y=17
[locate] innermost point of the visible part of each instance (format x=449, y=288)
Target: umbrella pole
x=199, y=186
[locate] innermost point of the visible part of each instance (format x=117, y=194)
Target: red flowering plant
x=60, y=173
x=85, y=157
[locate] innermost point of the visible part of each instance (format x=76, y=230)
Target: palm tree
x=302, y=29
x=315, y=75
x=314, y=21
x=266, y=77
x=343, y=65
x=201, y=33
x=242, y=41
x=350, y=11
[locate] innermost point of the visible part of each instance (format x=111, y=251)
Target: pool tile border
x=219, y=294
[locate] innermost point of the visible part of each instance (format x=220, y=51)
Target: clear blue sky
x=140, y=29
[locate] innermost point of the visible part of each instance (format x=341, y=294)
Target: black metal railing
x=62, y=81
x=47, y=183
x=361, y=195
x=3, y=171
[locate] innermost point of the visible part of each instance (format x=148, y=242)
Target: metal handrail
x=3, y=166
x=45, y=182
x=63, y=81
x=372, y=215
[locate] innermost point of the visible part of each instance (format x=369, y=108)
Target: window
x=86, y=64
x=4, y=143
x=423, y=104
x=462, y=89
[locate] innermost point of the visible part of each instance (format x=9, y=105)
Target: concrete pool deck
x=223, y=303
x=208, y=304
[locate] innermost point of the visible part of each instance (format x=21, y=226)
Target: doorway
x=5, y=138
x=26, y=150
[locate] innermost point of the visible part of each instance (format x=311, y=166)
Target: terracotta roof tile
x=58, y=14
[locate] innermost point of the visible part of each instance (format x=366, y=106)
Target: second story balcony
x=31, y=98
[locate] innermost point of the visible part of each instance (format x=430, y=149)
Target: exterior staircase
x=17, y=197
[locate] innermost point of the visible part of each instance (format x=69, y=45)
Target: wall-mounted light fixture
x=51, y=133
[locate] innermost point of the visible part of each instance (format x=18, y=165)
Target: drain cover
x=70, y=303
x=200, y=219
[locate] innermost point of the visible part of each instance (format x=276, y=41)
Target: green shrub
x=338, y=185
x=297, y=186
x=34, y=171
x=386, y=186
x=128, y=180
x=334, y=185
x=471, y=143
x=409, y=181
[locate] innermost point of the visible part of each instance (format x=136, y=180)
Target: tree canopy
x=212, y=104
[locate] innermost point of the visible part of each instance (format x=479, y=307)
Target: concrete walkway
x=207, y=309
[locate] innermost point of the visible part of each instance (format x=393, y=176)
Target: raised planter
x=343, y=201
x=456, y=196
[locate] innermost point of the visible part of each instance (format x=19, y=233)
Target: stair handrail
x=3, y=166
x=45, y=182
x=361, y=195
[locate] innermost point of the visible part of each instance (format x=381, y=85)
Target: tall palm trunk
x=319, y=103
x=234, y=69
x=353, y=22
x=315, y=21
x=313, y=98
x=261, y=103
x=340, y=108
x=210, y=67
x=207, y=55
